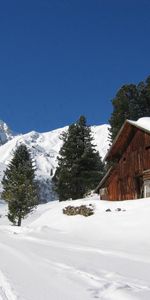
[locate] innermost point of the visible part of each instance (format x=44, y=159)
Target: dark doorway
x=139, y=186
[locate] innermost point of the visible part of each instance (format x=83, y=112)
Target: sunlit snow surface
x=59, y=257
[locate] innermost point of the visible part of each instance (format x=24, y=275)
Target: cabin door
x=139, y=187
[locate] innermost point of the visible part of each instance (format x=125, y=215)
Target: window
x=147, y=188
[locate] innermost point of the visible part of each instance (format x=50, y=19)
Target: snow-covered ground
x=57, y=257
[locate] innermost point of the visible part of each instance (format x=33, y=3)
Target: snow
x=54, y=256
x=101, y=138
x=143, y=123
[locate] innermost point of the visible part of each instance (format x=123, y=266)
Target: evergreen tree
x=19, y=188
x=144, y=97
x=131, y=102
x=123, y=108
x=79, y=165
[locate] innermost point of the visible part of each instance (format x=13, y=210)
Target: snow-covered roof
x=122, y=136
x=143, y=123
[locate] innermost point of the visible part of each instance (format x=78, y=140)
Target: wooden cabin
x=129, y=155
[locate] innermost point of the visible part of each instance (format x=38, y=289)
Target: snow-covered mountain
x=44, y=149
x=6, y=133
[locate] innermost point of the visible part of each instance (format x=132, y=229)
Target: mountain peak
x=6, y=133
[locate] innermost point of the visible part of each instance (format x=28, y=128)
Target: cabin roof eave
x=127, y=123
x=103, y=180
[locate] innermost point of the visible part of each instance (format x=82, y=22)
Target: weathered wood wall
x=126, y=180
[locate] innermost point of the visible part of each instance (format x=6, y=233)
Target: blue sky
x=63, y=58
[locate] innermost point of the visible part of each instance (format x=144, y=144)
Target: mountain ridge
x=44, y=148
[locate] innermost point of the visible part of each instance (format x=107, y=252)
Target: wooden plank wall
x=125, y=182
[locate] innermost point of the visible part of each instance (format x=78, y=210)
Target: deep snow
x=54, y=256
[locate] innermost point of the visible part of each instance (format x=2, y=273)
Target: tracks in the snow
x=105, y=285
x=70, y=247
x=6, y=291
x=100, y=284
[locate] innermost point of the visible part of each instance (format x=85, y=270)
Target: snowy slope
x=101, y=138
x=54, y=256
x=44, y=148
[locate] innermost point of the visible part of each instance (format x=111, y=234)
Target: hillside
x=44, y=149
x=54, y=256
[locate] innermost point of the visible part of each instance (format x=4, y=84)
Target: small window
x=147, y=188
x=103, y=191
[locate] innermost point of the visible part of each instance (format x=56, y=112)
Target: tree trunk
x=19, y=221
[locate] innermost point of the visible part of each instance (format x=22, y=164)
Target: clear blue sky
x=63, y=58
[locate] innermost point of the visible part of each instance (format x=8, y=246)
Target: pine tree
x=144, y=97
x=79, y=165
x=19, y=188
x=123, y=108
x=131, y=102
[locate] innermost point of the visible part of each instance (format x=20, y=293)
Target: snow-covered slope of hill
x=44, y=149
x=6, y=133
x=53, y=256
